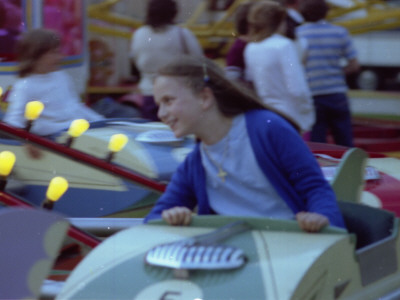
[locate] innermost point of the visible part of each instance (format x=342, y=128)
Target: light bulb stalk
x=28, y=125
x=69, y=141
x=48, y=204
x=110, y=156
x=3, y=183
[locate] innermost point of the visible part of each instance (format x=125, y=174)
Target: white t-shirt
x=245, y=191
x=61, y=102
x=274, y=67
x=152, y=49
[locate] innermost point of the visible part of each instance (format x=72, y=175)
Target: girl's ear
x=207, y=98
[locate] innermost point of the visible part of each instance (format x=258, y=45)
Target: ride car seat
x=369, y=224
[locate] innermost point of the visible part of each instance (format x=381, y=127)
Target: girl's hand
x=178, y=215
x=311, y=222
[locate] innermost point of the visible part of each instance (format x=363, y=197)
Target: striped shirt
x=329, y=47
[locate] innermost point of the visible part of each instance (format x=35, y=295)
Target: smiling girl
x=249, y=161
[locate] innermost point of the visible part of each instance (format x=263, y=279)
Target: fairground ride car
x=381, y=179
x=100, y=184
x=249, y=258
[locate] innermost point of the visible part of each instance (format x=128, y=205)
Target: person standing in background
x=293, y=18
x=328, y=46
x=235, y=65
x=292, y=21
x=274, y=67
x=155, y=44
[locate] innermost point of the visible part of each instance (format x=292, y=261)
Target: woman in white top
x=157, y=43
x=273, y=64
x=39, y=57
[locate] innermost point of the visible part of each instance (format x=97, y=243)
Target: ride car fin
x=201, y=252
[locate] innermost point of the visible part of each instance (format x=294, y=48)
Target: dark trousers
x=332, y=113
x=149, y=108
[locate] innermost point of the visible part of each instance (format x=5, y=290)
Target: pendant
x=222, y=174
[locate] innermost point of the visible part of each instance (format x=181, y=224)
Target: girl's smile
x=179, y=107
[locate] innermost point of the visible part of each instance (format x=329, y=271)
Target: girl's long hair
x=199, y=72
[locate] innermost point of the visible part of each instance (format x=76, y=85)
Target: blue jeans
x=332, y=113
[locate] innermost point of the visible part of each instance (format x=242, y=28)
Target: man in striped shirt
x=330, y=55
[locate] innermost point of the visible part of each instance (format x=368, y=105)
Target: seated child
x=39, y=58
x=250, y=161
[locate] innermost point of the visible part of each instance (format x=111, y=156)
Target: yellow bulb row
x=33, y=110
x=57, y=187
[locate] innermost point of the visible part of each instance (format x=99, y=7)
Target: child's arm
x=179, y=193
x=16, y=107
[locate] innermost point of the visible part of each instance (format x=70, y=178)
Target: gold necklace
x=221, y=172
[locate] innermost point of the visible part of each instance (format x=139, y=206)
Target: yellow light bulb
x=117, y=142
x=7, y=160
x=57, y=187
x=33, y=109
x=1, y=91
x=78, y=127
